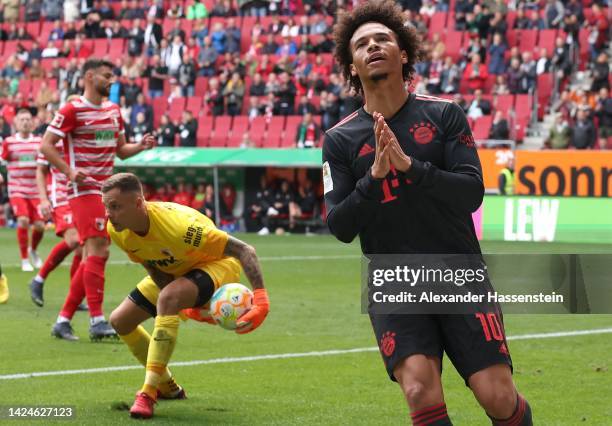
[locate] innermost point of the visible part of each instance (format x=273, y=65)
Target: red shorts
x=62, y=217
x=26, y=207
x=89, y=216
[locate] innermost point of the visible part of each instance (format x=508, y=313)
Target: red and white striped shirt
x=90, y=134
x=57, y=182
x=20, y=155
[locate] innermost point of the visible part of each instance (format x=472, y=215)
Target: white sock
x=62, y=319
x=96, y=320
x=39, y=279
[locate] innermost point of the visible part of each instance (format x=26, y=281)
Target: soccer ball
x=229, y=302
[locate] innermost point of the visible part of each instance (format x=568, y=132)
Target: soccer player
x=20, y=151
x=93, y=133
x=187, y=258
x=402, y=172
x=54, y=205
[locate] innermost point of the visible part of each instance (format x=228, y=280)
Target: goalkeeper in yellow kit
x=187, y=259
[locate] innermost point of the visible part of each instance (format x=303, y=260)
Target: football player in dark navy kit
x=403, y=173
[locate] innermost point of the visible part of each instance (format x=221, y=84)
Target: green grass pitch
x=315, y=306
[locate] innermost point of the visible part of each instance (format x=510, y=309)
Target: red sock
x=36, y=237
x=93, y=279
x=434, y=415
x=22, y=239
x=57, y=255
x=76, y=262
x=75, y=293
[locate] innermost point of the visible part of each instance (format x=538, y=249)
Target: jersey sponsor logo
x=68, y=219
x=58, y=120
x=164, y=263
x=103, y=135
x=328, y=182
x=423, y=133
x=467, y=139
x=387, y=343
x=193, y=235
x=365, y=150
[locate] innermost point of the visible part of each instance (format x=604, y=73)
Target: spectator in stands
x=214, y=97
x=188, y=129
x=290, y=28
x=475, y=73
x=258, y=86
x=305, y=106
x=135, y=39
x=601, y=73
x=207, y=58
x=105, y=10
x=258, y=210
x=199, y=197
x=561, y=61
x=603, y=111
x=200, y=30
x=18, y=33
x=175, y=11
x=318, y=24
x=288, y=47
x=253, y=7
x=460, y=100
x=153, y=35
x=583, y=131
x=286, y=94
x=140, y=127
x=234, y=94
x=223, y=9
x=174, y=55
x=52, y=10
x=116, y=30
x=184, y=194
x=528, y=71
x=131, y=91
x=255, y=109
x=137, y=12
x=535, y=22
x=141, y=106
x=269, y=106
x=327, y=45
x=187, y=76
x=498, y=25
x=505, y=180
x=57, y=33
x=281, y=200
x=514, y=75
x=543, y=62
x=497, y=52
x=479, y=106
x=450, y=76
x=434, y=73
x=246, y=141
x=303, y=27
x=32, y=10
x=308, y=133
x=305, y=200
x=499, y=127
x=11, y=10
x=500, y=87
x=157, y=73
x=92, y=27
x=600, y=30
x=330, y=110
x=475, y=46
x=167, y=132
x=218, y=38
x=560, y=134
x=176, y=91
x=126, y=112
x=5, y=128
x=197, y=10
x=554, y=12
x=209, y=202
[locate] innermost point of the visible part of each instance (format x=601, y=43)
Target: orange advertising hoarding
x=568, y=173
x=493, y=161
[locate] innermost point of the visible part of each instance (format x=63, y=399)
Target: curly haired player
x=402, y=172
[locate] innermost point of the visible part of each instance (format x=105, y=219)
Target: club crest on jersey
x=100, y=223
x=423, y=133
x=387, y=343
x=58, y=120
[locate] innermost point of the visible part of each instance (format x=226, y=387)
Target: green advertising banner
x=562, y=219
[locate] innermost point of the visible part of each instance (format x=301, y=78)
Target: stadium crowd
x=248, y=73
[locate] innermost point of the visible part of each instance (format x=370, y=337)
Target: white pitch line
x=261, y=259
x=275, y=356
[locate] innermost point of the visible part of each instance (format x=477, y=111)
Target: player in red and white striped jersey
x=53, y=192
x=20, y=151
x=93, y=133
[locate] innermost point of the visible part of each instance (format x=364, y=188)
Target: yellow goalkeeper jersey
x=180, y=239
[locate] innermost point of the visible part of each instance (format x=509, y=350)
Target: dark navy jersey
x=425, y=210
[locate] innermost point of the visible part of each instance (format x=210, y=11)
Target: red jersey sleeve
x=121, y=124
x=4, y=152
x=64, y=121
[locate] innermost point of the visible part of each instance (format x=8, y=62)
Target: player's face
x=103, y=79
x=23, y=122
x=376, y=53
x=122, y=208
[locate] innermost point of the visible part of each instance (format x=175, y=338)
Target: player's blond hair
x=125, y=182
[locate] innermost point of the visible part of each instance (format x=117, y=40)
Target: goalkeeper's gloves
x=253, y=318
x=197, y=314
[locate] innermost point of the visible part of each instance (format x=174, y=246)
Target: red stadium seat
x=453, y=41
x=239, y=128
x=293, y=122
x=437, y=24
x=45, y=31
x=274, y=135
x=481, y=127
x=222, y=127
x=512, y=38
x=194, y=104
x=257, y=130
x=545, y=87
x=547, y=40
x=116, y=48
x=160, y=107
x=527, y=40
x=205, y=124
x=201, y=85
x=100, y=47
x=176, y=108
x=504, y=103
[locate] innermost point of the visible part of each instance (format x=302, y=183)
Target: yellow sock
x=138, y=343
x=160, y=351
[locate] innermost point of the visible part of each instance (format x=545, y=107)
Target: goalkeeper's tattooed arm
x=160, y=278
x=248, y=259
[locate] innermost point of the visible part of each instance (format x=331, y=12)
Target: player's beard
x=104, y=90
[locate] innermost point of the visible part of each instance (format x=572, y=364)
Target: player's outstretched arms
x=261, y=304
